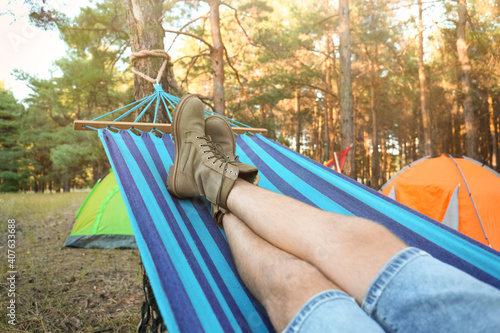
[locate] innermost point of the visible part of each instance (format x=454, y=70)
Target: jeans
x=413, y=292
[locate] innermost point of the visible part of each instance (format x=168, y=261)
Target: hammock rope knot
x=167, y=64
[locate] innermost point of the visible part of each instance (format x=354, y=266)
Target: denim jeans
x=413, y=292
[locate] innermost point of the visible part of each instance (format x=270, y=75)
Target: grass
x=61, y=289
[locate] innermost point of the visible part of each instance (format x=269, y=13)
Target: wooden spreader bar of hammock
x=88, y=125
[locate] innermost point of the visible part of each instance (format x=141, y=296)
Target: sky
x=34, y=50
x=29, y=48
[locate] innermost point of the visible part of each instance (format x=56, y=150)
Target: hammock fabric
x=187, y=258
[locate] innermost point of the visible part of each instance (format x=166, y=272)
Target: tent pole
x=470, y=196
x=337, y=162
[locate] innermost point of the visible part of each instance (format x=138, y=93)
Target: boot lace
x=218, y=156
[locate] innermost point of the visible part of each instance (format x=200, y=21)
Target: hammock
x=187, y=258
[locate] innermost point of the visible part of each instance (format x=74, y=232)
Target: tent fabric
x=452, y=216
x=428, y=186
x=338, y=159
x=102, y=221
x=186, y=255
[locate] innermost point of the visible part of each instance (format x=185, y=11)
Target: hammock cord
x=150, y=314
x=167, y=63
x=160, y=96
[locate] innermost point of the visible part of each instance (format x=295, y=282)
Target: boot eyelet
x=220, y=166
x=208, y=157
x=213, y=162
x=230, y=171
x=225, y=169
x=197, y=137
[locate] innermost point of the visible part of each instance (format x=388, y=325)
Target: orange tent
x=459, y=192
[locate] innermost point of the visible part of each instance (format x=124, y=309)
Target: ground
x=61, y=289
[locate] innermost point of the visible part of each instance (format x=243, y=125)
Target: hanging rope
x=151, y=319
x=167, y=64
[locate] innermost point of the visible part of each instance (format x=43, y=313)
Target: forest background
x=412, y=95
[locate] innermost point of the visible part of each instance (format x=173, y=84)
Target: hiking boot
x=200, y=167
x=221, y=133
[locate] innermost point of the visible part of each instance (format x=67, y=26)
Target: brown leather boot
x=221, y=133
x=200, y=167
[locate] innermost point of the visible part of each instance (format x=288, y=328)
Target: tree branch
x=234, y=70
x=193, y=61
x=316, y=87
x=323, y=20
x=191, y=35
x=202, y=53
x=203, y=97
x=182, y=28
x=250, y=40
x=119, y=55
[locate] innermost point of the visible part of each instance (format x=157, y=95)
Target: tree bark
x=346, y=98
x=375, y=155
x=329, y=122
x=319, y=134
x=366, y=155
x=385, y=159
x=421, y=76
x=326, y=132
x=493, y=132
x=463, y=58
x=217, y=56
x=283, y=127
x=455, y=133
x=144, y=19
x=298, y=128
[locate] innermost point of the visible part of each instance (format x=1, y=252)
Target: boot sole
x=173, y=170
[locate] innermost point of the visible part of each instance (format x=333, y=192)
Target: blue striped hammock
x=186, y=255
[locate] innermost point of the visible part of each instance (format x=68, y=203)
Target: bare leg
x=348, y=250
x=281, y=282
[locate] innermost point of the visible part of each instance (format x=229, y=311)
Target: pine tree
x=11, y=152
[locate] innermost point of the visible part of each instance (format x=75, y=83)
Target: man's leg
x=283, y=284
x=413, y=293
x=348, y=250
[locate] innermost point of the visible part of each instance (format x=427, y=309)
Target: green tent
x=102, y=221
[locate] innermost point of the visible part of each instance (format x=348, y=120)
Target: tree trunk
x=263, y=114
x=66, y=187
x=421, y=76
x=217, y=56
x=346, y=99
x=316, y=135
x=283, y=127
x=373, y=107
x=463, y=58
x=493, y=132
x=455, y=133
x=375, y=154
x=326, y=132
x=367, y=166
x=329, y=122
x=298, y=128
x=144, y=19
x=383, y=157
x=375, y=135
x=402, y=151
